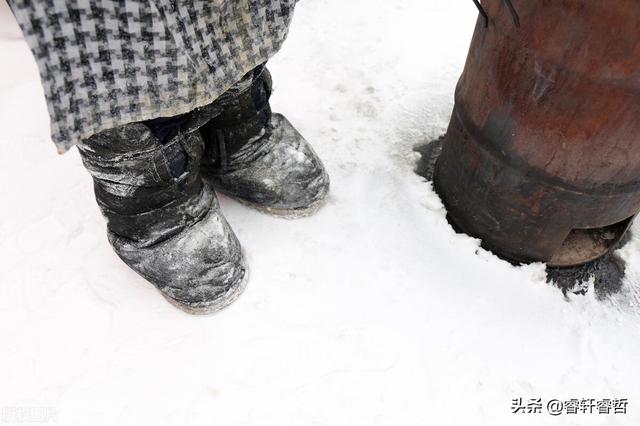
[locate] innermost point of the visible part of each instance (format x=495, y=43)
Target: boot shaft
x=147, y=190
x=244, y=117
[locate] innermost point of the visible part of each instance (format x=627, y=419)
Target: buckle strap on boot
x=147, y=191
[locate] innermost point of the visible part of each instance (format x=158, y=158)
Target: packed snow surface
x=372, y=312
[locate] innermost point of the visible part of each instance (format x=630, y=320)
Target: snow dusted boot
x=162, y=220
x=259, y=157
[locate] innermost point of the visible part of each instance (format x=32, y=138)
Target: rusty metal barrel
x=541, y=159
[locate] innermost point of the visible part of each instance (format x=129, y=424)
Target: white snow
x=372, y=312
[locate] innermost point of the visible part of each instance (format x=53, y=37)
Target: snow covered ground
x=372, y=312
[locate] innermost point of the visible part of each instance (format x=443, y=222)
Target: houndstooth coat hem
x=105, y=63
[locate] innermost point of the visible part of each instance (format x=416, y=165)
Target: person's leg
x=162, y=220
x=259, y=157
x=128, y=85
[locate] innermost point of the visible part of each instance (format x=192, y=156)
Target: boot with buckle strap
x=259, y=157
x=162, y=220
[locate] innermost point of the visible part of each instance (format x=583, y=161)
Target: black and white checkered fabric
x=105, y=63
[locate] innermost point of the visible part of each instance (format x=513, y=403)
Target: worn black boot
x=259, y=157
x=162, y=220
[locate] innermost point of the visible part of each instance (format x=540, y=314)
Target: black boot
x=259, y=157
x=162, y=220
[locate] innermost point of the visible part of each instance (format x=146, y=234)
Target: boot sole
x=220, y=303
x=286, y=213
x=298, y=213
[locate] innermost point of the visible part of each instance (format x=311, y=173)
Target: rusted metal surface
x=543, y=147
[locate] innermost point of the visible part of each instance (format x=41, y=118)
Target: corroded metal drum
x=541, y=159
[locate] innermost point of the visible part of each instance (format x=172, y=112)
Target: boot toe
x=201, y=270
